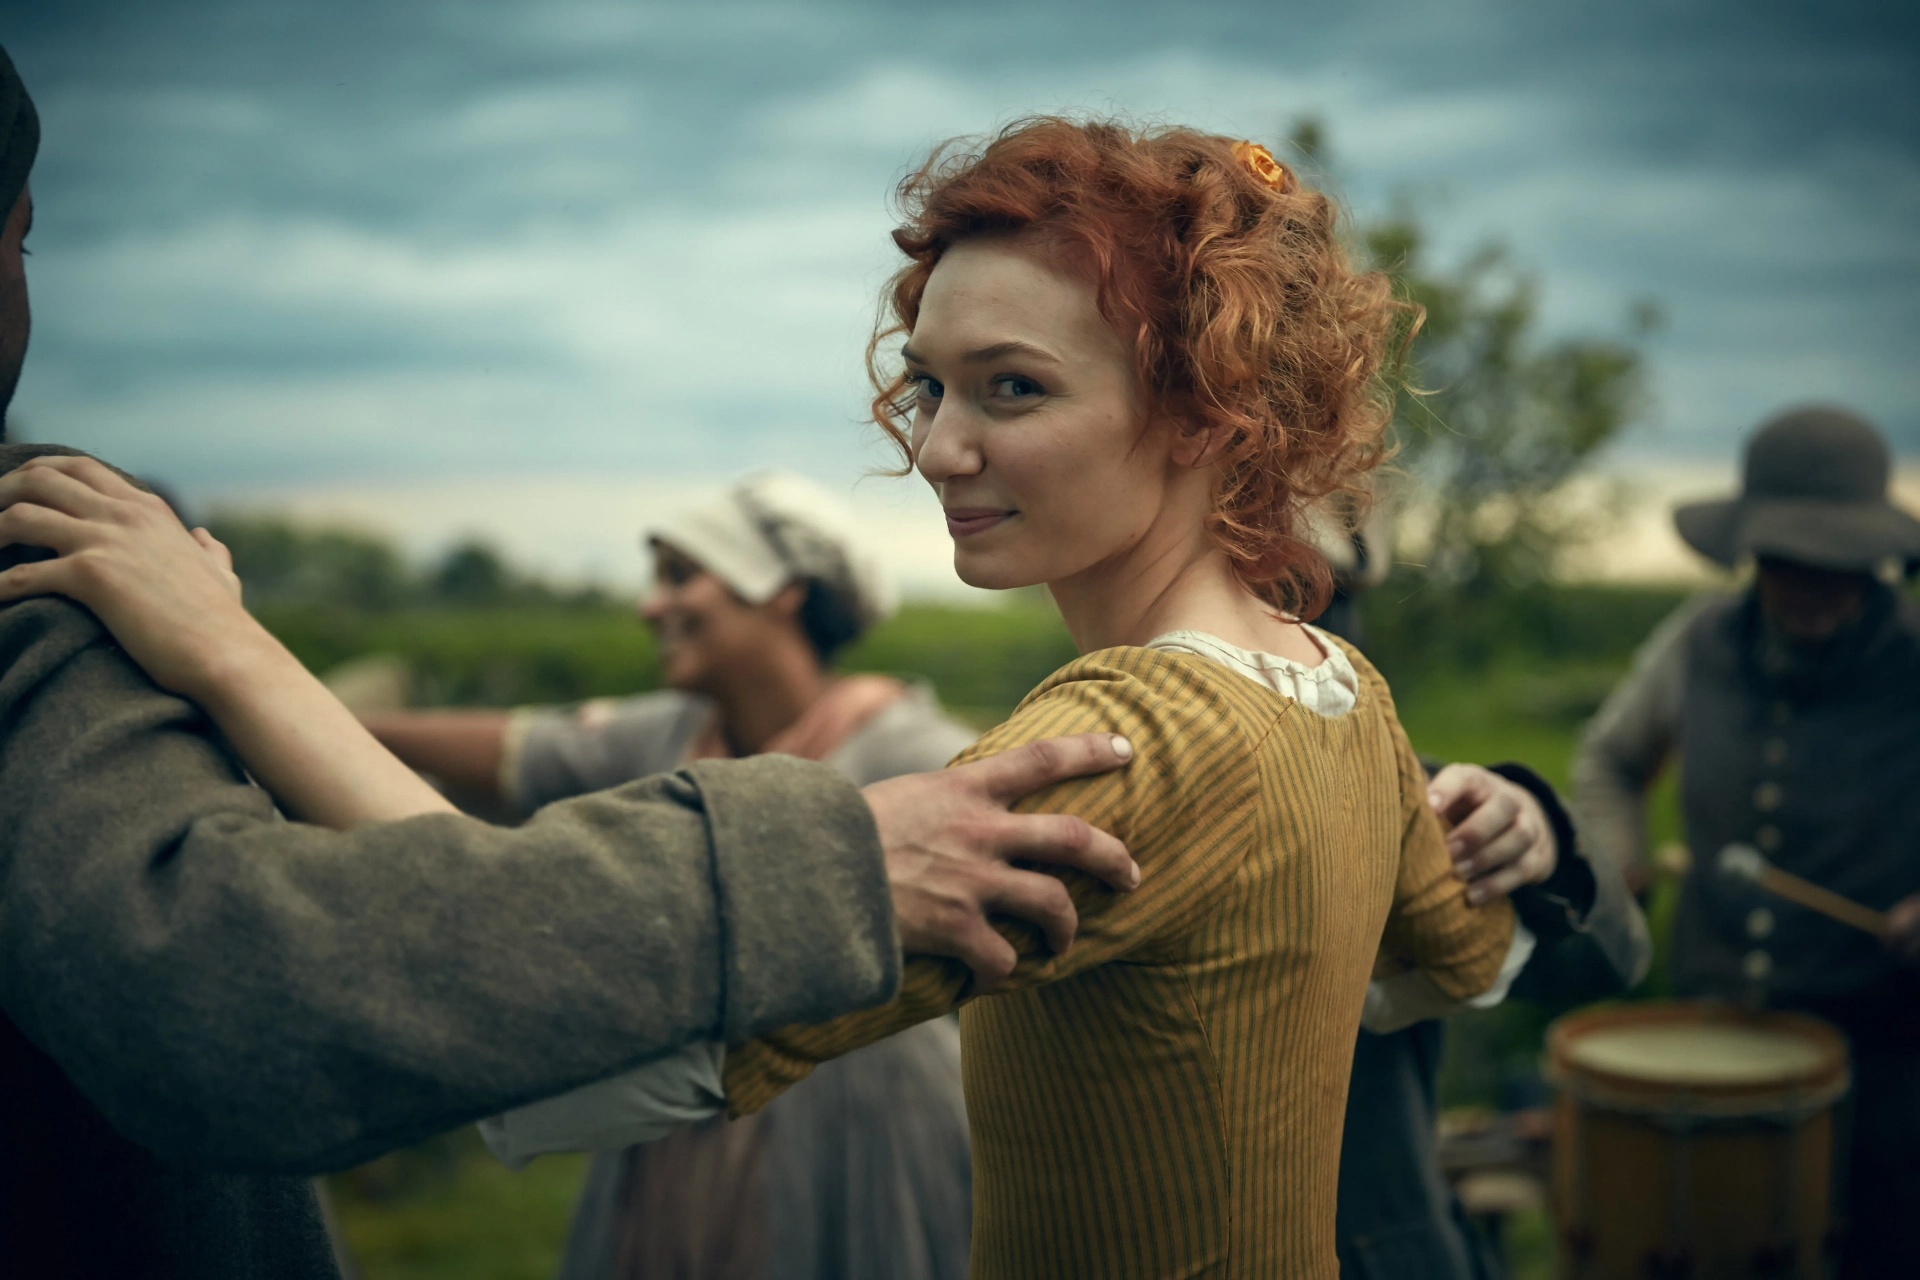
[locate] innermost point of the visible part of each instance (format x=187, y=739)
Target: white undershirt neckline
x=1331, y=687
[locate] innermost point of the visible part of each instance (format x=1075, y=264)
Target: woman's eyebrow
x=984, y=355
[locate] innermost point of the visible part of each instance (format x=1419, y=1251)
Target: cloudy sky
x=579, y=246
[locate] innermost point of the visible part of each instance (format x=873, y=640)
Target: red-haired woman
x=1132, y=359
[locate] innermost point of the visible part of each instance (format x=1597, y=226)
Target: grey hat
x=1814, y=492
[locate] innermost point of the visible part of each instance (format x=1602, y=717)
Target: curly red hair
x=1243, y=312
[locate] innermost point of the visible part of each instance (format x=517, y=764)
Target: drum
x=1692, y=1139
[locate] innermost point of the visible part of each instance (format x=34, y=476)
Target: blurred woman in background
x=863, y=1172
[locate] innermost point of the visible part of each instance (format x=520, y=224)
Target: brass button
x=1759, y=923
x=1768, y=838
x=1775, y=752
x=1757, y=965
x=1766, y=797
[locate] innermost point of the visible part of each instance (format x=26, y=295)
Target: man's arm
x=1593, y=938
x=239, y=991
x=1626, y=744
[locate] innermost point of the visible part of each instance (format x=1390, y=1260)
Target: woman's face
x=705, y=632
x=1027, y=420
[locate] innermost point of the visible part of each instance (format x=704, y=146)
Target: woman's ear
x=1197, y=448
x=788, y=600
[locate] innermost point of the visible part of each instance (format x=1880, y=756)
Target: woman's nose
x=947, y=447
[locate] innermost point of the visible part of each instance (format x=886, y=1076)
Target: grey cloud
x=328, y=238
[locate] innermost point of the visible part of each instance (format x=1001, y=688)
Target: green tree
x=1491, y=419
x=472, y=573
x=283, y=563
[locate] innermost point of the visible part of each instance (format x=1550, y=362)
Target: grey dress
x=861, y=1172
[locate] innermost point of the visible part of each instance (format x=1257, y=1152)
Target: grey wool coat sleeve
x=235, y=991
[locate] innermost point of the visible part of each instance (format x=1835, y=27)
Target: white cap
x=776, y=528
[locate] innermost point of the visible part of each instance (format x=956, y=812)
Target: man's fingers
x=991, y=957
x=1506, y=848
x=1038, y=899
x=1063, y=840
x=1476, y=832
x=1012, y=774
x=1498, y=885
x=1458, y=790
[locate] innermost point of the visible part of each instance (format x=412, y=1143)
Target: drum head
x=1702, y=1051
x=1694, y=1053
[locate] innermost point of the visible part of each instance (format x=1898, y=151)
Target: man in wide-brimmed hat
x=1793, y=708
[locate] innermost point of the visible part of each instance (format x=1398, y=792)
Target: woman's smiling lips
x=964, y=522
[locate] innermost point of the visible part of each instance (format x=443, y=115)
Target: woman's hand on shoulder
x=169, y=595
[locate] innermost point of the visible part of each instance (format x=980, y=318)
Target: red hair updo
x=1226, y=278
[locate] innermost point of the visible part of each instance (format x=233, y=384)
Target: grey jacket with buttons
x=1813, y=758
x=201, y=999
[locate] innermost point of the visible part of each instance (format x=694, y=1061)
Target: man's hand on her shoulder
x=1501, y=838
x=950, y=839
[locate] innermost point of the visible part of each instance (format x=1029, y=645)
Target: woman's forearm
x=460, y=749
x=299, y=742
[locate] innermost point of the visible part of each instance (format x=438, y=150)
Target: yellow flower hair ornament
x=1261, y=164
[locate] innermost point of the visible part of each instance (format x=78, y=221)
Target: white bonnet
x=773, y=529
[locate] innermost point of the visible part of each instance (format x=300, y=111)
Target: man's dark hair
x=19, y=134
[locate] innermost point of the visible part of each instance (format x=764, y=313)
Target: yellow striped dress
x=1165, y=1099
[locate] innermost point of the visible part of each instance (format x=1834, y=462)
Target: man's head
x=1813, y=493
x=19, y=141
x=1808, y=605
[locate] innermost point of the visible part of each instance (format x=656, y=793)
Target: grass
x=449, y=1211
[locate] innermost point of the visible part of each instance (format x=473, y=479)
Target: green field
x=1511, y=680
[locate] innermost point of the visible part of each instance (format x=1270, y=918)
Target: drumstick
x=1745, y=862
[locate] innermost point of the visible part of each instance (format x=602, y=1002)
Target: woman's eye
x=1018, y=387
x=927, y=387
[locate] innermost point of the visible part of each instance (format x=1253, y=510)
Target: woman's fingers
x=214, y=547
x=222, y=558
x=35, y=578
x=55, y=489
x=92, y=473
x=30, y=524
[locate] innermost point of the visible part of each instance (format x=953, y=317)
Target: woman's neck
x=757, y=703
x=1174, y=584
